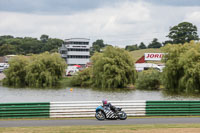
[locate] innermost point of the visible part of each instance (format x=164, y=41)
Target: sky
x=117, y=22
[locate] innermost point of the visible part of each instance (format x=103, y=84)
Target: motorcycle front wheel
x=100, y=115
x=122, y=115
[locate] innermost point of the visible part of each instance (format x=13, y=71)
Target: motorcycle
x=103, y=113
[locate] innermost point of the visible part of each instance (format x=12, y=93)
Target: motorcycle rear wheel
x=100, y=116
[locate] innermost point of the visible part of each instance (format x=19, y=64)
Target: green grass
x=139, y=53
x=100, y=129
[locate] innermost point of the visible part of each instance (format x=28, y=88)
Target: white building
x=76, y=51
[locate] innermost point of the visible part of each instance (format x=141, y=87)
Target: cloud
x=73, y=6
x=193, y=17
x=120, y=23
x=176, y=3
x=109, y=20
x=51, y=6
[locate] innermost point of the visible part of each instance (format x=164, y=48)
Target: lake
x=81, y=94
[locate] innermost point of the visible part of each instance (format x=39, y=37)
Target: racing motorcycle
x=103, y=113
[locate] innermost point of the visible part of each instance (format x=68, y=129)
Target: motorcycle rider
x=109, y=105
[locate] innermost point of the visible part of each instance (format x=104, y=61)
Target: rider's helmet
x=104, y=102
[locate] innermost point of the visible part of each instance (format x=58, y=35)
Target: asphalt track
x=70, y=122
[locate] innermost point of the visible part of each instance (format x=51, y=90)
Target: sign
x=153, y=56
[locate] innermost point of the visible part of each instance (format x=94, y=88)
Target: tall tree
x=97, y=46
x=16, y=73
x=7, y=49
x=44, y=38
x=43, y=70
x=113, y=68
x=142, y=46
x=4, y=38
x=167, y=42
x=155, y=44
x=132, y=47
x=183, y=32
x=182, y=63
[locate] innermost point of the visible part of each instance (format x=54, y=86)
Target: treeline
x=179, y=34
x=28, y=45
x=153, y=44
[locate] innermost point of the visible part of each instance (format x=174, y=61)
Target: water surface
x=81, y=94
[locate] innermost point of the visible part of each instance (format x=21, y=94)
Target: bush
x=83, y=78
x=148, y=80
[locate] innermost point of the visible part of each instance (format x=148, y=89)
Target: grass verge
x=139, y=53
x=149, y=128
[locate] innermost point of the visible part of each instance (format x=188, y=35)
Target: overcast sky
x=117, y=22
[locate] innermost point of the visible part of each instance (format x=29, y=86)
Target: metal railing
x=172, y=108
x=24, y=110
x=87, y=108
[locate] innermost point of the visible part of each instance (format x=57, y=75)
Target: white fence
x=87, y=108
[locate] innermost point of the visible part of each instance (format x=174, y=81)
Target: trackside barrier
x=172, y=108
x=87, y=108
x=24, y=110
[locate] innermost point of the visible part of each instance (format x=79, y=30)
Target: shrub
x=148, y=80
x=83, y=78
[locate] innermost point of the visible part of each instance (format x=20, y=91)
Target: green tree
x=113, y=68
x=45, y=70
x=30, y=45
x=190, y=61
x=52, y=45
x=131, y=47
x=183, y=32
x=142, y=46
x=44, y=38
x=155, y=44
x=16, y=73
x=181, y=73
x=7, y=49
x=97, y=46
x=4, y=38
x=173, y=71
x=167, y=42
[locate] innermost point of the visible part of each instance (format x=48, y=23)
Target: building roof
x=77, y=39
